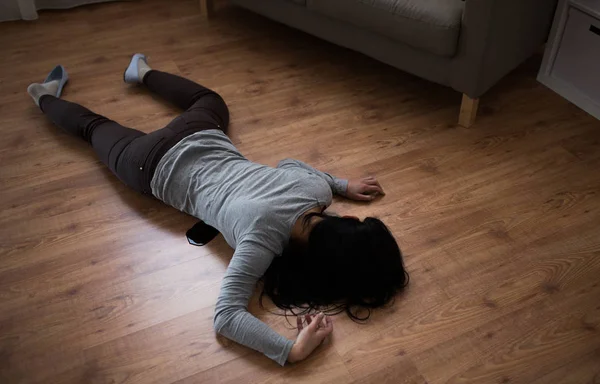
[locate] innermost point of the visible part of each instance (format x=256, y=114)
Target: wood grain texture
x=499, y=223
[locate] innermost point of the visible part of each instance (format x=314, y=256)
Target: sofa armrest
x=496, y=36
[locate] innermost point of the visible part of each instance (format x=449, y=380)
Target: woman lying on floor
x=326, y=262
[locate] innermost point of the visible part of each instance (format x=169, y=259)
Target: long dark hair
x=347, y=265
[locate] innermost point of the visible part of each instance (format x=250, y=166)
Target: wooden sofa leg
x=468, y=111
x=207, y=8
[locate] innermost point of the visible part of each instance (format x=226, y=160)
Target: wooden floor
x=500, y=223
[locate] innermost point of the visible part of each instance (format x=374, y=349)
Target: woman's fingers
x=364, y=197
x=372, y=189
x=299, y=323
x=328, y=325
x=373, y=181
x=326, y=328
x=369, y=180
x=380, y=187
x=308, y=319
x=364, y=189
x=367, y=192
x=314, y=325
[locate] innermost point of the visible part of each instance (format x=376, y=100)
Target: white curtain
x=27, y=9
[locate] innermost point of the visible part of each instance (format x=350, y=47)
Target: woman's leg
x=204, y=108
x=111, y=141
x=130, y=154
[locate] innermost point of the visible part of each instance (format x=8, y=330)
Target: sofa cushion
x=431, y=25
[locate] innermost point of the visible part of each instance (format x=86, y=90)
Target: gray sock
x=37, y=90
x=143, y=68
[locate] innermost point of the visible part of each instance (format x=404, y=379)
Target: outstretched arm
x=233, y=320
x=365, y=189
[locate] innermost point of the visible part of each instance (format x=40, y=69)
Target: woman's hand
x=310, y=336
x=365, y=189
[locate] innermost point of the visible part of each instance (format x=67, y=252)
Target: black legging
x=133, y=155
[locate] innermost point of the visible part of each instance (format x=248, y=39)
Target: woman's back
x=206, y=176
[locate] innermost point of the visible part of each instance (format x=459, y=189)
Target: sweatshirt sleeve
x=338, y=186
x=232, y=319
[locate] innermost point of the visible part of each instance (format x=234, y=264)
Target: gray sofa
x=467, y=45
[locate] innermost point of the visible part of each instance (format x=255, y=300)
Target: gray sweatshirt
x=254, y=206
